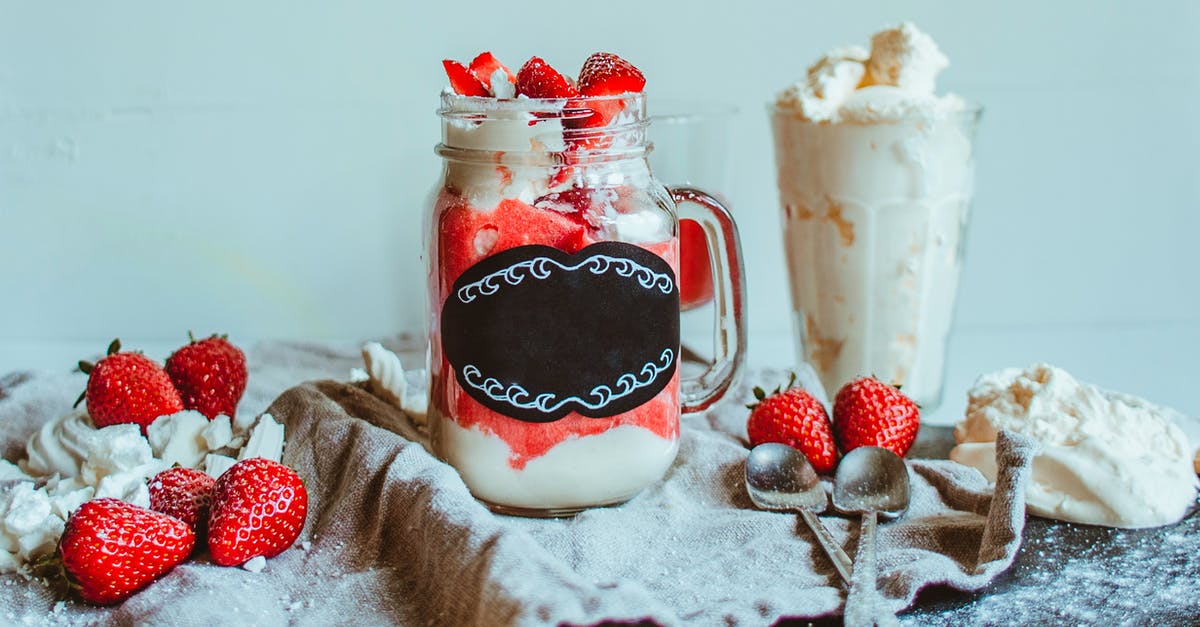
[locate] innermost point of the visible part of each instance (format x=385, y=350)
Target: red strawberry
x=536, y=79
x=128, y=388
x=111, y=549
x=462, y=81
x=258, y=508
x=210, y=375
x=795, y=418
x=868, y=412
x=184, y=493
x=606, y=74
x=486, y=64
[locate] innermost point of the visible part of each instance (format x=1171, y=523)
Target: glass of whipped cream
x=876, y=174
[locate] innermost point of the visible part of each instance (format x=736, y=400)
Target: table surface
x=1063, y=573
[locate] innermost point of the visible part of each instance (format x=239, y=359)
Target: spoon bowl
x=780, y=478
x=871, y=479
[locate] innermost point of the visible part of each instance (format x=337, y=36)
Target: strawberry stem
x=115, y=347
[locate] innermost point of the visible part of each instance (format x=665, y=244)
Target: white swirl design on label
x=548, y=402
x=541, y=268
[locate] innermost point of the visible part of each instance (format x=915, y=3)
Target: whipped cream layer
x=1107, y=458
x=895, y=80
x=608, y=467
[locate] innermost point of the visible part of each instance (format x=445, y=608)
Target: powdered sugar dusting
x=1079, y=574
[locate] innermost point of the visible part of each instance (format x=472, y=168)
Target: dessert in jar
x=875, y=176
x=554, y=302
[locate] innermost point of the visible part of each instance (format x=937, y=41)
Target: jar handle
x=729, y=298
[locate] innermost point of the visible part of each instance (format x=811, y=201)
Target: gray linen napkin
x=393, y=535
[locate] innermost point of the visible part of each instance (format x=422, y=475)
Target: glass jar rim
x=970, y=110
x=471, y=107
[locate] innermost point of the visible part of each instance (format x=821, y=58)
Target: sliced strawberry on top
x=606, y=74
x=462, y=81
x=536, y=79
x=486, y=64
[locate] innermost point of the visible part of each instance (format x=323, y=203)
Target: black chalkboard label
x=535, y=333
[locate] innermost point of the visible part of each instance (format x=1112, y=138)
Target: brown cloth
x=394, y=537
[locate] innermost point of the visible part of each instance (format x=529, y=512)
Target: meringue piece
x=9, y=562
x=417, y=401
x=26, y=508
x=12, y=472
x=64, y=502
x=1107, y=459
x=60, y=446
x=385, y=372
x=216, y=465
x=266, y=440
x=29, y=522
x=255, y=564
x=178, y=439
x=114, y=449
x=390, y=383
x=218, y=433
x=127, y=486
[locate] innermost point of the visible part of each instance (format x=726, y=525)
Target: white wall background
x=260, y=168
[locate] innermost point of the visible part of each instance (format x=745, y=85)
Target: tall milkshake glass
x=874, y=215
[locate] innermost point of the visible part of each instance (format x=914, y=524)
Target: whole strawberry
x=795, y=418
x=210, y=375
x=258, y=508
x=869, y=412
x=111, y=549
x=128, y=388
x=184, y=493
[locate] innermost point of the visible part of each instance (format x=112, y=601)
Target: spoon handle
x=862, y=599
x=868, y=539
x=836, y=554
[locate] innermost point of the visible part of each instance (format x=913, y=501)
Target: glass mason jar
x=554, y=304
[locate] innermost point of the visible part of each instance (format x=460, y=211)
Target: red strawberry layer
x=528, y=441
x=467, y=237
x=695, y=273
